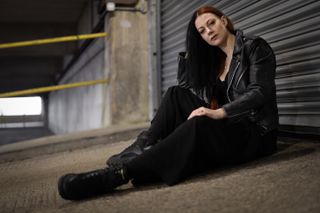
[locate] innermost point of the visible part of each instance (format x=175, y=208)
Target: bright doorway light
x=21, y=106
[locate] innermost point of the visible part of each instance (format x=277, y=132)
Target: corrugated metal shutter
x=292, y=28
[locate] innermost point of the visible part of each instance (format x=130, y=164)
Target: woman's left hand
x=211, y=113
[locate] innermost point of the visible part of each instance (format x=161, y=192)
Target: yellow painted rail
x=52, y=88
x=52, y=40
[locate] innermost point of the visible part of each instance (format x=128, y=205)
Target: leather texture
x=251, y=89
x=140, y=145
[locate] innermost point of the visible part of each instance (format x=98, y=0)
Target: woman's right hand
x=211, y=113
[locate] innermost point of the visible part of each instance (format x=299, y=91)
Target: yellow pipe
x=52, y=40
x=52, y=88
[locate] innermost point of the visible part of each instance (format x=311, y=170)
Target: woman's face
x=212, y=28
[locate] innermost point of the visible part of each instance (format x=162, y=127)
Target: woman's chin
x=213, y=43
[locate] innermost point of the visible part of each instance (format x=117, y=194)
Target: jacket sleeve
x=182, y=75
x=261, y=84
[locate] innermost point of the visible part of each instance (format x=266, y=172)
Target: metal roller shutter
x=291, y=28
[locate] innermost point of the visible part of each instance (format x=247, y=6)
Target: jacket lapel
x=236, y=57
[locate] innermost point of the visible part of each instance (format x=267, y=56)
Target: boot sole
x=62, y=188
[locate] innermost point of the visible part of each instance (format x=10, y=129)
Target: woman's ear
x=224, y=20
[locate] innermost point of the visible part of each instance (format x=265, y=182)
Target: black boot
x=140, y=145
x=90, y=184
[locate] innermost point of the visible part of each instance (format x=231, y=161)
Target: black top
x=221, y=92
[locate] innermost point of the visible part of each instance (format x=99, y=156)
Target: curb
x=68, y=142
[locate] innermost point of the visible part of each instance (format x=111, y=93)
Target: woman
x=223, y=112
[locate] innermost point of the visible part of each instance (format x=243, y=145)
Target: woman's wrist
x=222, y=113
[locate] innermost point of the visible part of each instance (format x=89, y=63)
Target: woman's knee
x=200, y=120
x=176, y=93
x=205, y=121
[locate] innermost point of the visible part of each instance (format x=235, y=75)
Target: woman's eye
x=201, y=31
x=211, y=22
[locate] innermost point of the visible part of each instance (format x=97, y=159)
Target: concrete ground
x=287, y=181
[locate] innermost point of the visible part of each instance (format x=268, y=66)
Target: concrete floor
x=285, y=182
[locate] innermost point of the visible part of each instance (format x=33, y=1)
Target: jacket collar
x=239, y=43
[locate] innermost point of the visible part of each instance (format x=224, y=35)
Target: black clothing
x=252, y=90
x=183, y=147
x=180, y=147
x=93, y=183
x=189, y=146
x=221, y=92
x=140, y=145
x=251, y=85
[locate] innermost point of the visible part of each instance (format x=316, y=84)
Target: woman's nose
x=209, y=31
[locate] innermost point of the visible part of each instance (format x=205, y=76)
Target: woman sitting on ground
x=224, y=111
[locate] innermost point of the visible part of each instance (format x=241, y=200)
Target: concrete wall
x=81, y=108
x=122, y=57
x=128, y=89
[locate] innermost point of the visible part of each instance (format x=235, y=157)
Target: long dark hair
x=203, y=61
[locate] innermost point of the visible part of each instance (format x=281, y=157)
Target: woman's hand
x=211, y=113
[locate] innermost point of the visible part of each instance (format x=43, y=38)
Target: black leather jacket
x=251, y=91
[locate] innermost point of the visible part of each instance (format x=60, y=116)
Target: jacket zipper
x=240, y=79
x=234, y=73
x=235, y=70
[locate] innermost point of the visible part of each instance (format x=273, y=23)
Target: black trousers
x=185, y=147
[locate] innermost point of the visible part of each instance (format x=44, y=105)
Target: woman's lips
x=213, y=37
